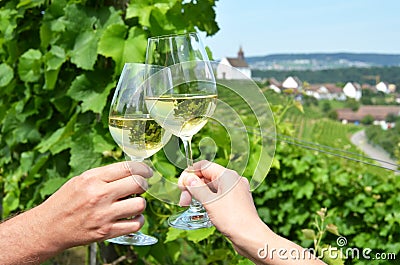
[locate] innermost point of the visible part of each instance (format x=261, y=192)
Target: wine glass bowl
x=183, y=104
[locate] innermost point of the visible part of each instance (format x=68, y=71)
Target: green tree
x=326, y=107
x=367, y=120
x=352, y=104
x=391, y=117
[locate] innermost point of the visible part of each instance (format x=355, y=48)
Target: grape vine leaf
x=6, y=74
x=84, y=54
x=91, y=90
x=29, y=67
x=123, y=46
x=51, y=185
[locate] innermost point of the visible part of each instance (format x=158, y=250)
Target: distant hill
x=321, y=61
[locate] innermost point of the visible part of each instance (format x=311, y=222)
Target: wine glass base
x=189, y=220
x=134, y=239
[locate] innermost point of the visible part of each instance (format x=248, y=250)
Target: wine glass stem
x=136, y=159
x=195, y=205
x=187, y=144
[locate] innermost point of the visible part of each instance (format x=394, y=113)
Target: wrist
x=43, y=227
x=24, y=239
x=251, y=238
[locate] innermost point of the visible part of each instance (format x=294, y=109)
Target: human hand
x=225, y=195
x=229, y=204
x=90, y=207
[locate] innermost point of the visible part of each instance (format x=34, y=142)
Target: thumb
x=197, y=188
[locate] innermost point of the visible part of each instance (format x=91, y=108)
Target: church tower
x=240, y=53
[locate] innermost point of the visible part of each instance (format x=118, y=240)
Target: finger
x=127, y=186
x=208, y=170
x=139, y=168
x=128, y=207
x=181, y=186
x=126, y=226
x=185, y=198
x=198, y=189
x=120, y=170
x=216, y=176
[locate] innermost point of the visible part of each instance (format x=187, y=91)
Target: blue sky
x=265, y=27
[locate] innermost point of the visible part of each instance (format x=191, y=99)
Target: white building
x=292, y=83
x=224, y=72
x=325, y=91
x=383, y=87
x=352, y=90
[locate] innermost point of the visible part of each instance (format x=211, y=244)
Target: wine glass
x=132, y=128
x=183, y=105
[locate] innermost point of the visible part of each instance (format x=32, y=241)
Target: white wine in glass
x=184, y=104
x=134, y=130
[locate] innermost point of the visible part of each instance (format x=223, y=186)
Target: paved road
x=361, y=141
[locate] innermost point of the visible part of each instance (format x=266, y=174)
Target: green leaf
x=26, y=161
x=200, y=234
x=26, y=132
x=298, y=105
x=57, y=136
x=30, y=3
x=6, y=74
x=332, y=255
x=166, y=169
x=29, y=67
x=308, y=233
x=51, y=79
x=55, y=58
x=83, y=156
x=122, y=46
x=159, y=15
x=245, y=262
x=10, y=202
x=101, y=145
x=217, y=255
x=8, y=22
x=333, y=229
x=77, y=18
x=51, y=185
x=89, y=90
x=141, y=11
x=173, y=234
x=84, y=54
x=305, y=189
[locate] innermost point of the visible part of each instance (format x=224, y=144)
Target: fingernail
x=150, y=170
x=185, y=198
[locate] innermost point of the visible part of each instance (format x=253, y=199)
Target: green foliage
x=60, y=61
x=352, y=104
x=326, y=107
x=367, y=120
x=362, y=205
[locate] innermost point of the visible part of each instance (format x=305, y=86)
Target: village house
x=239, y=63
x=275, y=85
x=352, y=90
x=292, y=82
x=383, y=87
x=325, y=91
